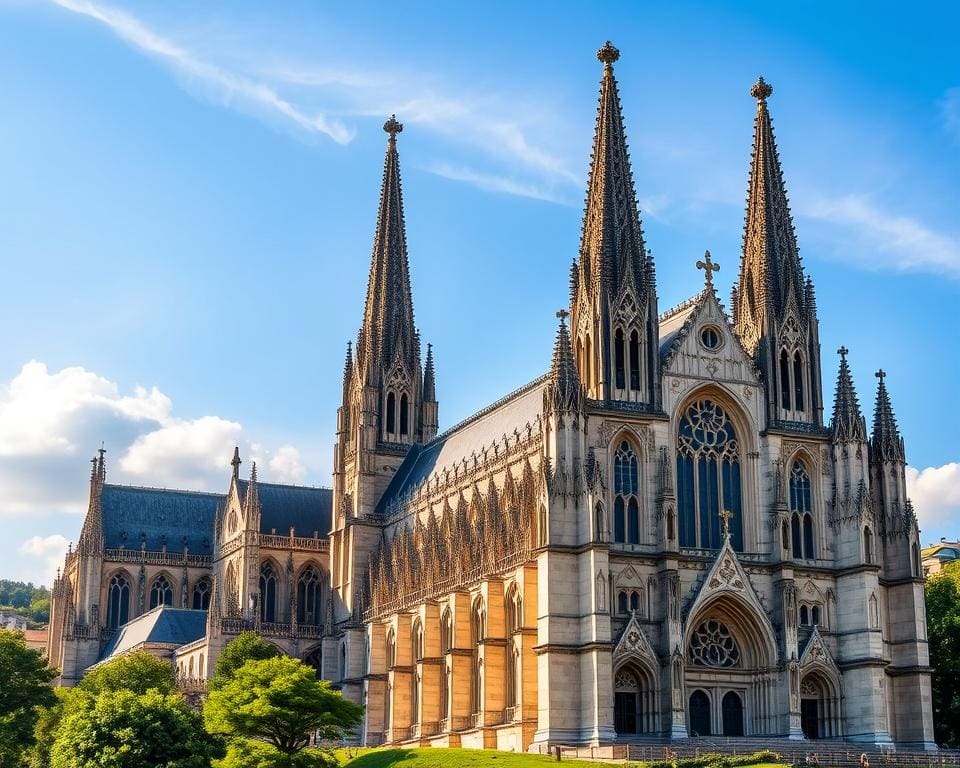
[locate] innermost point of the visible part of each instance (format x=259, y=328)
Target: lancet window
x=634, y=361
x=118, y=601
x=417, y=637
x=391, y=649
x=514, y=611
x=310, y=597
x=801, y=516
x=161, y=593
x=446, y=632
x=619, y=360
x=626, y=504
x=478, y=632
x=391, y=413
x=792, y=382
x=268, y=593
x=201, y=595
x=708, y=476
x=404, y=415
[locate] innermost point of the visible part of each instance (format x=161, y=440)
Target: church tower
x=613, y=297
x=389, y=400
x=774, y=307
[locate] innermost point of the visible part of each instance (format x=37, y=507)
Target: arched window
x=118, y=601
x=230, y=588
x=310, y=597
x=785, y=380
x=797, y=382
x=446, y=632
x=915, y=557
x=542, y=526
x=588, y=363
x=623, y=602
x=598, y=522
x=867, y=545
x=510, y=692
x=478, y=632
x=161, y=593
x=804, y=616
x=404, y=415
x=417, y=637
x=708, y=476
x=815, y=615
x=514, y=610
x=391, y=649
x=391, y=413
x=618, y=360
x=201, y=595
x=635, y=601
x=800, y=508
x=626, y=506
x=634, y=361
x=268, y=593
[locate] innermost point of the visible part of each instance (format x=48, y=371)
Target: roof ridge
x=489, y=409
x=157, y=489
x=685, y=304
x=261, y=484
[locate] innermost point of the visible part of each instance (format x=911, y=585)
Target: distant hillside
x=27, y=600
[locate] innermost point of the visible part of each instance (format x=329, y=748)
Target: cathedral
x=659, y=538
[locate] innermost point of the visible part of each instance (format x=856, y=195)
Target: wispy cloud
x=495, y=183
x=229, y=88
x=885, y=239
x=950, y=111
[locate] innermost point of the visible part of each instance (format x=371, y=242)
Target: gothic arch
x=746, y=433
x=628, y=483
x=119, y=591
x=750, y=628
x=313, y=657
x=158, y=594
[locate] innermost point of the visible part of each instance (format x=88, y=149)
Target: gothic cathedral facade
x=660, y=537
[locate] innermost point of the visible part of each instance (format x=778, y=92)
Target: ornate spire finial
x=881, y=374
x=886, y=444
x=608, y=54
x=725, y=517
x=235, y=463
x=709, y=267
x=843, y=352
x=848, y=424
x=563, y=315
x=761, y=90
x=393, y=127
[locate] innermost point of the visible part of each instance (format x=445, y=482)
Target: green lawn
x=469, y=758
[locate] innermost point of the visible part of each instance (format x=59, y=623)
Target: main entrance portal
x=699, y=714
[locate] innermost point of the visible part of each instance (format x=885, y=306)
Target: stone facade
x=658, y=537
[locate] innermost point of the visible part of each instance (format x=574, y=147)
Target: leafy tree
x=247, y=646
x=40, y=610
x=121, y=729
x=24, y=688
x=137, y=672
x=280, y=703
x=45, y=729
x=943, y=622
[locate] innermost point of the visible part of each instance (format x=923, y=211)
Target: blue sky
x=188, y=194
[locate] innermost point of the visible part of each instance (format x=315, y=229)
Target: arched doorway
x=315, y=659
x=634, y=701
x=819, y=708
x=699, y=714
x=732, y=709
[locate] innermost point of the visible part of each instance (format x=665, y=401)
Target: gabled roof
x=158, y=517
x=160, y=626
x=674, y=320
x=305, y=509
x=466, y=440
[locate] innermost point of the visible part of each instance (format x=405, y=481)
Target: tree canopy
x=247, y=646
x=24, y=688
x=278, y=702
x=943, y=623
x=138, y=672
x=123, y=729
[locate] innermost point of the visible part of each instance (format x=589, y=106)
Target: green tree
x=137, y=672
x=121, y=729
x=48, y=722
x=943, y=623
x=24, y=688
x=40, y=610
x=271, y=708
x=247, y=646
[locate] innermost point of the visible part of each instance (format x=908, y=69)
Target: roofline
x=261, y=484
x=685, y=304
x=154, y=489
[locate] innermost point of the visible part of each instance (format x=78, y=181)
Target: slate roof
x=482, y=429
x=162, y=626
x=130, y=512
x=673, y=320
x=304, y=508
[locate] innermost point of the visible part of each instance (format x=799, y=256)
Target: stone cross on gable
x=563, y=315
x=843, y=351
x=709, y=268
x=881, y=374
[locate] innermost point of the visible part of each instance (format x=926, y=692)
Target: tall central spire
x=771, y=274
x=612, y=247
x=388, y=330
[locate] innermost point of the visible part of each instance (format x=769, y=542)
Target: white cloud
x=228, y=88
x=884, y=239
x=41, y=557
x=495, y=183
x=50, y=422
x=950, y=111
x=935, y=492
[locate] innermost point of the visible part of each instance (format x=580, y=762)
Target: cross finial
x=725, y=516
x=563, y=315
x=761, y=90
x=393, y=127
x=608, y=54
x=709, y=268
x=881, y=374
x=843, y=353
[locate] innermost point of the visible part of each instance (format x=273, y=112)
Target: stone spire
x=429, y=378
x=91, y=539
x=612, y=248
x=848, y=424
x=886, y=444
x=347, y=373
x=564, y=387
x=771, y=274
x=388, y=330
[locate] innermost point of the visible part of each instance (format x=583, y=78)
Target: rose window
x=712, y=645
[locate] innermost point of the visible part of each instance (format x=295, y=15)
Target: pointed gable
x=817, y=654
x=633, y=642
